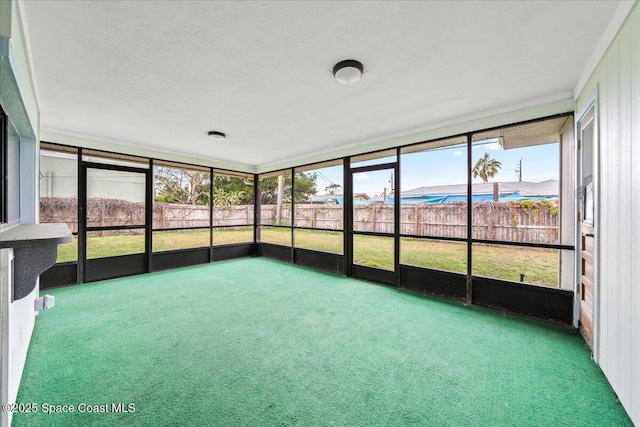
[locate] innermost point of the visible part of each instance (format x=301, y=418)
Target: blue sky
x=448, y=166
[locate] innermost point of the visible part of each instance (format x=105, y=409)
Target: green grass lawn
x=125, y=244
x=540, y=266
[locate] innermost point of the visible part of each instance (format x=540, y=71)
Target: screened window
x=59, y=193
x=115, y=198
x=434, y=189
x=275, y=235
x=516, y=198
x=275, y=198
x=516, y=183
x=536, y=266
x=434, y=254
x=319, y=240
x=319, y=196
x=232, y=199
x=181, y=196
x=232, y=235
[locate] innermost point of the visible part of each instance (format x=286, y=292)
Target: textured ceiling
x=161, y=74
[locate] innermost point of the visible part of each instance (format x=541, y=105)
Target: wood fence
x=533, y=222
x=112, y=212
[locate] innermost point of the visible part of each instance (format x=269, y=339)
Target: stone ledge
x=35, y=249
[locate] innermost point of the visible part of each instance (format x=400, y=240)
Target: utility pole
x=519, y=171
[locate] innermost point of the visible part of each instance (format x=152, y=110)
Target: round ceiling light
x=348, y=71
x=216, y=136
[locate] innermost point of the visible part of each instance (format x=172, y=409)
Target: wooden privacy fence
x=111, y=212
x=528, y=221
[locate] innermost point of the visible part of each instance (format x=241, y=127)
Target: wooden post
x=373, y=222
x=315, y=216
x=415, y=210
x=102, y=216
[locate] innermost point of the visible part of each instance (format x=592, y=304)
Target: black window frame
x=4, y=189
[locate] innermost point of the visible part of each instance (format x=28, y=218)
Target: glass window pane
x=319, y=198
x=180, y=239
x=516, y=187
x=181, y=197
x=373, y=201
x=275, y=198
x=536, y=266
x=373, y=251
x=232, y=200
x=230, y=235
x=115, y=198
x=434, y=254
x=434, y=189
x=102, y=244
x=319, y=240
x=275, y=235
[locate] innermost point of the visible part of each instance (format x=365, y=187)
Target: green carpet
x=254, y=342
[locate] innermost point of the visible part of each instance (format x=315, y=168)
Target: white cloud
x=457, y=153
x=488, y=144
x=361, y=176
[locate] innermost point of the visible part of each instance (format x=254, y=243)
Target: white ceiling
x=160, y=74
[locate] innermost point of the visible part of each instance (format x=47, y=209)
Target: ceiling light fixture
x=348, y=71
x=216, y=136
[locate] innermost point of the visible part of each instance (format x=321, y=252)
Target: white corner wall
x=617, y=79
x=18, y=319
x=19, y=101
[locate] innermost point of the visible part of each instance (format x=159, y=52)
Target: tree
x=231, y=191
x=305, y=187
x=187, y=187
x=332, y=188
x=486, y=168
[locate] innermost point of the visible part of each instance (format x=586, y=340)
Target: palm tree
x=486, y=168
x=332, y=188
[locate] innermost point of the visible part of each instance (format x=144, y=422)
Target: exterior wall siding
x=617, y=79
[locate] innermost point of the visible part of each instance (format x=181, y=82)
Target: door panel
x=587, y=290
x=115, y=234
x=374, y=251
x=374, y=254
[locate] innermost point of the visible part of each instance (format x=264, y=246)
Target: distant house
x=338, y=199
x=507, y=192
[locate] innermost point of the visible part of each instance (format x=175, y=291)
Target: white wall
x=617, y=79
x=18, y=320
x=19, y=101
